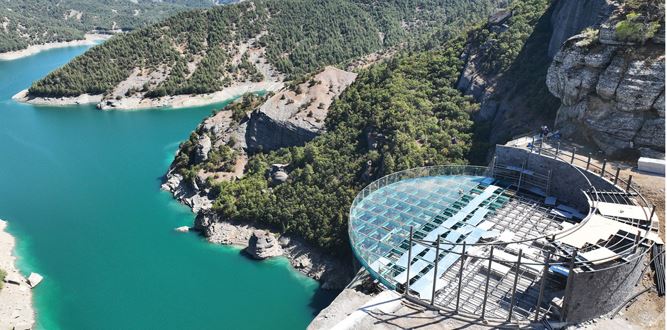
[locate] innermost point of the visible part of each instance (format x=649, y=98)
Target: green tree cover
x=502, y=46
x=300, y=36
x=28, y=22
x=642, y=20
x=408, y=106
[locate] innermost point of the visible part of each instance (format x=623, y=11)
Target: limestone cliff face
x=294, y=117
x=611, y=93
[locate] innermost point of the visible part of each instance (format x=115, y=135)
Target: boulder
x=202, y=149
x=263, y=245
x=279, y=177
x=34, y=279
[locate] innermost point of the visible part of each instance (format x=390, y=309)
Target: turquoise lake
x=80, y=189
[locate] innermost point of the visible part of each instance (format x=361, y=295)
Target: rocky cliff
x=611, y=92
x=608, y=92
x=506, y=63
x=294, y=116
x=218, y=148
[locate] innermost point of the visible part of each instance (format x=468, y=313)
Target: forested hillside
x=28, y=22
x=205, y=51
x=397, y=115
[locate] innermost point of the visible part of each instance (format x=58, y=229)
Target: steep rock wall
x=570, y=17
x=612, y=94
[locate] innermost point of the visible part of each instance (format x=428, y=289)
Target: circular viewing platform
x=527, y=238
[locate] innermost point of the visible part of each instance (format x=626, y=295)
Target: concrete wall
x=567, y=183
x=591, y=294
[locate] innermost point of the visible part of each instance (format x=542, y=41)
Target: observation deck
x=529, y=238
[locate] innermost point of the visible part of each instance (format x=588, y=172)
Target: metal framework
x=485, y=242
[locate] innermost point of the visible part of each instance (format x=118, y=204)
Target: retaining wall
x=567, y=183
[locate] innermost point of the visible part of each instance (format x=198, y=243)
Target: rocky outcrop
x=294, y=116
x=570, y=17
x=187, y=193
x=290, y=117
x=261, y=243
x=612, y=94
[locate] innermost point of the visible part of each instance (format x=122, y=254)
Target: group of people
x=544, y=133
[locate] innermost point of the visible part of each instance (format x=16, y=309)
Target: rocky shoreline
x=89, y=39
x=260, y=242
x=16, y=311
x=141, y=103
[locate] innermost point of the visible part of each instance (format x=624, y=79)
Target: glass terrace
x=451, y=201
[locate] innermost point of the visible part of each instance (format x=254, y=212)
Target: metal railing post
x=458, y=291
x=545, y=273
x=604, y=165
x=629, y=184
x=557, y=150
x=486, y=287
x=516, y=280
x=618, y=171
x=407, y=281
x=588, y=162
x=539, y=151
x=574, y=152
x=435, y=271
x=650, y=218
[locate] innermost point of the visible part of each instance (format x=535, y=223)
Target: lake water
x=80, y=189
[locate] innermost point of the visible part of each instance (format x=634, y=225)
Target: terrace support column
x=407, y=281
x=458, y=290
x=435, y=271
x=516, y=281
x=543, y=283
x=486, y=286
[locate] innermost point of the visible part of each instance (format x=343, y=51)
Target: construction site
x=540, y=236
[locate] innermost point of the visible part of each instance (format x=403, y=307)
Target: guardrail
x=607, y=170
